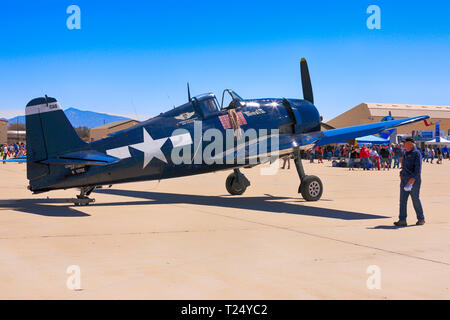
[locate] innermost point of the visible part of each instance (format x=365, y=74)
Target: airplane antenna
x=189, y=93
x=134, y=109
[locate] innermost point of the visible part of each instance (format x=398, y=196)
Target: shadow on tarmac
x=263, y=203
x=391, y=227
x=43, y=207
x=46, y=207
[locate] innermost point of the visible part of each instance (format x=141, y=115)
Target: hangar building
x=373, y=112
x=3, y=131
x=112, y=127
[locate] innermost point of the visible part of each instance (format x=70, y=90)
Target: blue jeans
x=365, y=163
x=396, y=161
x=415, y=199
x=351, y=163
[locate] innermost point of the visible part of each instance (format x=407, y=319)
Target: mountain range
x=81, y=118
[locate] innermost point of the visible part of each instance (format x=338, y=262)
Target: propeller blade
x=189, y=92
x=306, y=81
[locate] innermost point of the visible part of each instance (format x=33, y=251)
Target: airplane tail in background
x=437, y=133
x=49, y=134
x=387, y=133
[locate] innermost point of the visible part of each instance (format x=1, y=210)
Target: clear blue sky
x=135, y=57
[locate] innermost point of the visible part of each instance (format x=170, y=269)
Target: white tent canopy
x=443, y=141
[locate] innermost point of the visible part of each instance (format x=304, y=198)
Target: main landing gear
x=83, y=199
x=310, y=187
x=236, y=183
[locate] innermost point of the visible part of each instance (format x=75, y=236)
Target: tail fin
x=49, y=133
x=387, y=133
x=437, y=133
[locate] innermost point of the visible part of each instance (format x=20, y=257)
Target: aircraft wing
x=288, y=142
x=344, y=134
x=341, y=135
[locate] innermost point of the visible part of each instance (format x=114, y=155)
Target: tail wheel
x=311, y=188
x=233, y=186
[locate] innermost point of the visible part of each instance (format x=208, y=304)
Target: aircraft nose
x=307, y=117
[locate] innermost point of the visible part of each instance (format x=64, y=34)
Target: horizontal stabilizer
x=87, y=157
x=21, y=159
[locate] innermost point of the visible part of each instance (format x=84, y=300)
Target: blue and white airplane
x=58, y=159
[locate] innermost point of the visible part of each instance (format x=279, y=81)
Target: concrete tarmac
x=186, y=238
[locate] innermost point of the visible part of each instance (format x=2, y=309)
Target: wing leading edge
x=344, y=134
x=320, y=138
x=287, y=143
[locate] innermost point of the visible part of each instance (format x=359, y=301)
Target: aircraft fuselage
x=146, y=149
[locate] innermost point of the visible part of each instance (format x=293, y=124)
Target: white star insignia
x=151, y=148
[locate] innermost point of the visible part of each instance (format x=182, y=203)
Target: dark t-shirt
x=384, y=153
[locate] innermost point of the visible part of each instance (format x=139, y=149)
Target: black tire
x=233, y=187
x=81, y=204
x=311, y=188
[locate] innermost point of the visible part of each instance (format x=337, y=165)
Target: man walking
x=384, y=153
x=5, y=152
x=364, y=157
x=286, y=159
x=397, y=155
x=410, y=181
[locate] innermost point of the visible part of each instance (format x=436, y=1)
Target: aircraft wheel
x=81, y=204
x=83, y=201
x=233, y=186
x=311, y=188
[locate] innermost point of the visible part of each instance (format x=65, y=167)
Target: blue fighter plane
x=58, y=159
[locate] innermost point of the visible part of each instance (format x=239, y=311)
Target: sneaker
x=420, y=222
x=400, y=223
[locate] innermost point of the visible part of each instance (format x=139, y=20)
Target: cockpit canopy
x=206, y=104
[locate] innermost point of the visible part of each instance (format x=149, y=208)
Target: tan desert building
x=3, y=131
x=106, y=129
x=373, y=112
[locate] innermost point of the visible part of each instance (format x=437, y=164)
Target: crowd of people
x=375, y=157
x=435, y=152
x=13, y=150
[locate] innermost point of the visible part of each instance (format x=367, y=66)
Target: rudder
x=48, y=133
